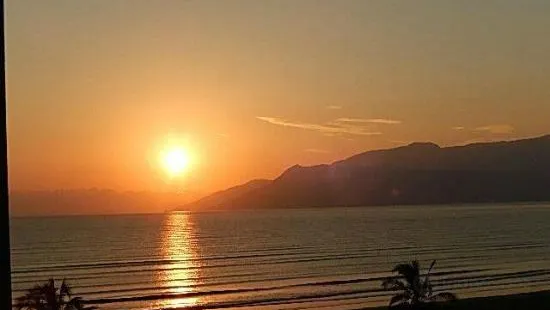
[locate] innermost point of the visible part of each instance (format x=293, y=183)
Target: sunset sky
x=97, y=89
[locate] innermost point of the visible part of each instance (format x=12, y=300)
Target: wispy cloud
x=313, y=150
x=458, y=128
x=368, y=120
x=496, y=129
x=334, y=107
x=331, y=128
x=486, y=140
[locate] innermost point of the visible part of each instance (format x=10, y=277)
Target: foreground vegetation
x=414, y=290
x=48, y=297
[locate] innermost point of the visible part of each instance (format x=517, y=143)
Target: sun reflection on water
x=177, y=246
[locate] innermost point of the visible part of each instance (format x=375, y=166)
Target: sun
x=175, y=161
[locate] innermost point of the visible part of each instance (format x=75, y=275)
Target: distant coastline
x=449, y=205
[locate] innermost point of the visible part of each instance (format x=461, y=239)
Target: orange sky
x=95, y=88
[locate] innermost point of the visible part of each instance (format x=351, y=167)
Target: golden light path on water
x=177, y=246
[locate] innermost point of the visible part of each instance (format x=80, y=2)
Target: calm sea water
x=282, y=259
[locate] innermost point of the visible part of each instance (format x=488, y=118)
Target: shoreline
x=528, y=300
x=532, y=300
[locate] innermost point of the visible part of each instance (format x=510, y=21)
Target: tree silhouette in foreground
x=415, y=290
x=49, y=297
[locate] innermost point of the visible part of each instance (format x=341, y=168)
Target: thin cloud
x=316, y=151
x=334, y=107
x=368, y=120
x=458, y=128
x=486, y=140
x=496, y=129
x=476, y=140
x=327, y=129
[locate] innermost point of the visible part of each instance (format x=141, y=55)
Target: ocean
x=331, y=258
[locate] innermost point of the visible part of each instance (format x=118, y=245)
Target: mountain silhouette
x=419, y=173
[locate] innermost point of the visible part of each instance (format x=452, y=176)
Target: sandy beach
x=534, y=300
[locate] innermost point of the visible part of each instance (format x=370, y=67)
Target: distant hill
x=223, y=197
x=419, y=173
x=93, y=201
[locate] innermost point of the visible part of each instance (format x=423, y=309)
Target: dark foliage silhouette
x=48, y=297
x=414, y=289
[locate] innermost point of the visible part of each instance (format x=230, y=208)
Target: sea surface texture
x=332, y=258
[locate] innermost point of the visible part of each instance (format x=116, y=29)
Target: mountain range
x=418, y=173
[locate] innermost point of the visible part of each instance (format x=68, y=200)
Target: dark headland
x=419, y=173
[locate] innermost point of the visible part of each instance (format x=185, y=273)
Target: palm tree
x=415, y=291
x=48, y=297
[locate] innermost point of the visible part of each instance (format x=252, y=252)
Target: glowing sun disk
x=175, y=161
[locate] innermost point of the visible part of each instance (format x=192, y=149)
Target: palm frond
x=416, y=265
x=431, y=266
x=74, y=304
x=427, y=288
x=409, y=271
x=399, y=299
x=414, y=289
x=394, y=284
x=64, y=291
x=33, y=299
x=49, y=294
x=402, y=269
